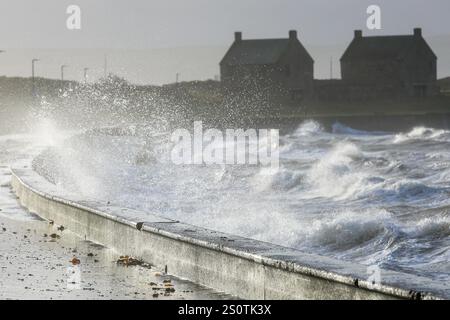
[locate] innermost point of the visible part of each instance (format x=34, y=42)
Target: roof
x=382, y=47
x=257, y=52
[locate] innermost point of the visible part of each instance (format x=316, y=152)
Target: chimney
x=238, y=36
x=418, y=32
x=292, y=35
x=358, y=34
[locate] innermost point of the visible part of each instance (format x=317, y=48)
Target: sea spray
x=358, y=197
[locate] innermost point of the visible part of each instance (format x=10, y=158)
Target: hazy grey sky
x=194, y=33
x=170, y=23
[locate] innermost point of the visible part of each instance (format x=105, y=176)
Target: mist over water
x=368, y=197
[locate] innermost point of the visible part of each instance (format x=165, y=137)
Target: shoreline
x=243, y=267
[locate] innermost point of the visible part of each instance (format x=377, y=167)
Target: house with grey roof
x=403, y=64
x=279, y=66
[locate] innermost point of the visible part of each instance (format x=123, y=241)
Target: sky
x=173, y=23
x=157, y=24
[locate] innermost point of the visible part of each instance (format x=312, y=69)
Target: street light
x=62, y=71
x=1, y=51
x=105, y=66
x=32, y=67
x=85, y=74
x=33, y=85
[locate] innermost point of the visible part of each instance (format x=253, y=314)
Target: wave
x=308, y=128
x=333, y=195
x=339, y=128
x=434, y=227
x=346, y=173
x=412, y=191
x=277, y=179
x=420, y=133
x=344, y=230
x=335, y=175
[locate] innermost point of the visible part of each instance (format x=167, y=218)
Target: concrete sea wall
x=244, y=267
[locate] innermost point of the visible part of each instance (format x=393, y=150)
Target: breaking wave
x=339, y=128
x=341, y=231
x=308, y=128
x=436, y=228
x=348, y=193
x=421, y=133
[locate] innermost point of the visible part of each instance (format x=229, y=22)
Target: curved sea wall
x=244, y=267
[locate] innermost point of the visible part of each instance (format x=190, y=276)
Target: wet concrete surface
x=38, y=261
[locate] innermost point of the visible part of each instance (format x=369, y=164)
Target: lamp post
x=105, y=66
x=62, y=71
x=1, y=51
x=85, y=74
x=331, y=68
x=33, y=62
x=32, y=67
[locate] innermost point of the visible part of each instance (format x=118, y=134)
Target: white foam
x=435, y=227
x=335, y=175
x=348, y=229
x=308, y=128
x=420, y=133
x=333, y=194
